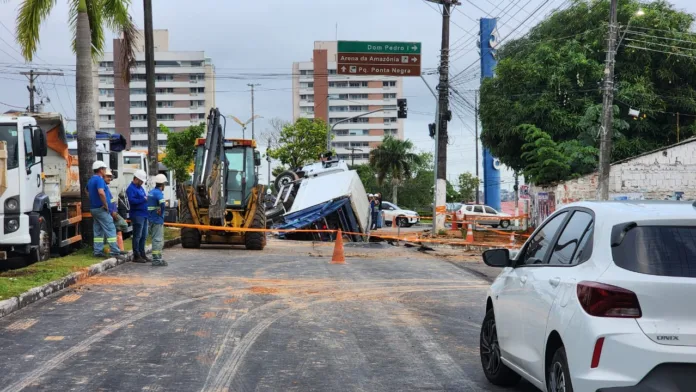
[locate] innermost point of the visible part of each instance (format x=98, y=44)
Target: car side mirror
x=497, y=258
x=114, y=174
x=40, y=144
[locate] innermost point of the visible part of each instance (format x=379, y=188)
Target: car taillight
x=603, y=300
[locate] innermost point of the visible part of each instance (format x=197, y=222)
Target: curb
x=32, y=295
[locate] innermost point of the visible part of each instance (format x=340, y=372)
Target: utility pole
x=352, y=155
x=252, y=85
x=151, y=101
x=608, y=107
x=443, y=116
x=476, y=141
x=32, y=76
x=268, y=159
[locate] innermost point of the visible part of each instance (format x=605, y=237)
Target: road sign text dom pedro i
x=379, y=58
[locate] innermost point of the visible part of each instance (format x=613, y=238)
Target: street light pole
x=328, y=137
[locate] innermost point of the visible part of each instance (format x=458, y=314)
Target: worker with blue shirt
x=103, y=223
x=155, y=207
x=137, y=198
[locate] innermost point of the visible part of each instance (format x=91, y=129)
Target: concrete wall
x=669, y=173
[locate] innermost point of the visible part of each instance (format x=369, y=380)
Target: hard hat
x=268, y=191
x=160, y=179
x=141, y=175
x=109, y=173
x=98, y=165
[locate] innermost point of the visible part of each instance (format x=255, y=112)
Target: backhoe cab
x=224, y=191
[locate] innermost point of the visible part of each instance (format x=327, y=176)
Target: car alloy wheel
x=557, y=383
x=490, y=350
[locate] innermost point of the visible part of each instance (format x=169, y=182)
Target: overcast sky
x=247, y=37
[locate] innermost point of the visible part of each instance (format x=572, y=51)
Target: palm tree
x=87, y=19
x=394, y=159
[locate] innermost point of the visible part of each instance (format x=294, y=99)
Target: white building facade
x=185, y=91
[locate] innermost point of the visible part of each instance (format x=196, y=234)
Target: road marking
x=54, y=338
x=21, y=325
x=143, y=294
x=66, y=299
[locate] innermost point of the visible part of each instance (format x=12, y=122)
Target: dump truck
x=40, y=201
x=224, y=192
x=39, y=187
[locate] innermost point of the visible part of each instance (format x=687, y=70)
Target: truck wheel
x=256, y=240
x=505, y=224
x=190, y=238
x=43, y=251
x=285, y=178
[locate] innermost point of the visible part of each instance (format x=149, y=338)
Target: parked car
x=404, y=218
x=600, y=298
x=479, y=210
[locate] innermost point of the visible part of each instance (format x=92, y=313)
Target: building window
x=196, y=104
x=137, y=78
x=391, y=132
x=332, y=72
x=138, y=91
x=165, y=117
x=307, y=97
x=165, y=78
x=338, y=108
x=165, y=104
x=340, y=144
x=357, y=96
x=109, y=92
x=341, y=132
x=106, y=64
x=106, y=79
x=106, y=104
x=164, y=91
x=389, y=120
x=138, y=117
x=197, y=90
x=338, y=84
x=110, y=130
x=358, y=84
x=139, y=143
x=390, y=83
x=389, y=95
x=360, y=144
x=359, y=108
x=306, y=84
x=106, y=118
x=197, y=77
x=389, y=107
x=307, y=72
x=138, y=131
x=359, y=120
x=358, y=132
x=138, y=104
x=307, y=109
x=167, y=64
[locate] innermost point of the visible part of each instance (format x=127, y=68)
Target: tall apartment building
x=185, y=88
x=318, y=92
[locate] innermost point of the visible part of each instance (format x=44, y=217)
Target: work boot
x=159, y=263
x=147, y=259
x=137, y=258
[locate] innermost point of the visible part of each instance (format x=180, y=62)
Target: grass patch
x=17, y=281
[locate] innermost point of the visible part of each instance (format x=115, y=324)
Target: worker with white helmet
x=155, y=207
x=137, y=198
x=99, y=207
x=119, y=222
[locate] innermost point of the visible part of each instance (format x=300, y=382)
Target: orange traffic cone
x=119, y=241
x=394, y=222
x=469, y=234
x=512, y=238
x=338, y=256
x=455, y=223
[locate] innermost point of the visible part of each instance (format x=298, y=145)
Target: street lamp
x=244, y=124
x=638, y=13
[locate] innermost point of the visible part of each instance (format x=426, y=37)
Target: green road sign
x=379, y=47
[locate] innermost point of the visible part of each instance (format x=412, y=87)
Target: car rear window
x=658, y=250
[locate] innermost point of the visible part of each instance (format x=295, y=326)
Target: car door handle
x=555, y=281
x=523, y=280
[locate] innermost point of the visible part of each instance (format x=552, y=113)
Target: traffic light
x=431, y=128
x=403, y=109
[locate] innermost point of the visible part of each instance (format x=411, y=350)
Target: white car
x=404, y=218
x=600, y=298
x=487, y=215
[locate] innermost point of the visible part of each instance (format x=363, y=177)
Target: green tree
x=394, y=158
x=468, y=186
x=300, y=143
x=181, y=150
x=87, y=19
x=553, y=85
x=547, y=163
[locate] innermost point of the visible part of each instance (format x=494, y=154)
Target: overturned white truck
x=322, y=196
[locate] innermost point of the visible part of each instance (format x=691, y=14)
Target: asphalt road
x=279, y=320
